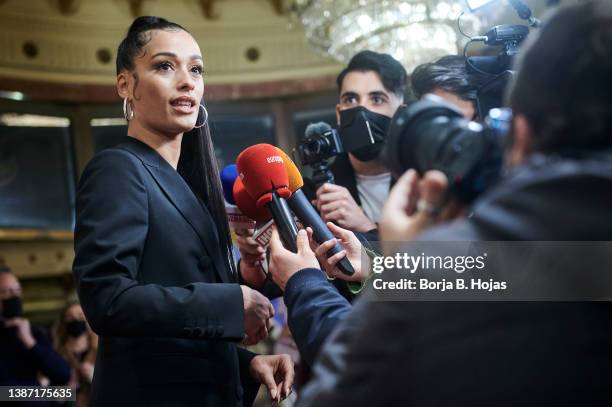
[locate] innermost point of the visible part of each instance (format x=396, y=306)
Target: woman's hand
x=257, y=311
x=275, y=372
x=284, y=264
x=352, y=250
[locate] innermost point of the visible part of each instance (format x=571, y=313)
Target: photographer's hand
x=336, y=204
x=352, y=250
x=284, y=264
x=413, y=206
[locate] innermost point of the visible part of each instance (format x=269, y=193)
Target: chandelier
x=412, y=31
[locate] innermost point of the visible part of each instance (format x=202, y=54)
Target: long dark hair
x=197, y=164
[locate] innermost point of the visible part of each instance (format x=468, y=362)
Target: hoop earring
x=128, y=113
x=205, y=115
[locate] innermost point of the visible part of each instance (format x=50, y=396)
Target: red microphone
x=247, y=205
x=262, y=171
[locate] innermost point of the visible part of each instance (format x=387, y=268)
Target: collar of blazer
x=184, y=200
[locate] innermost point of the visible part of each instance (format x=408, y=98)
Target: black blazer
x=153, y=284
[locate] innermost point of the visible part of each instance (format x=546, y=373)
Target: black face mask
x=363, y=132
x=12, y=307
x=76, y=328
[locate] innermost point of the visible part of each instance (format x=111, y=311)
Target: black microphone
x=283, y=218
x=307, y=214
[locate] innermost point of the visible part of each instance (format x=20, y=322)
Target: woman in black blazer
x=153, y=262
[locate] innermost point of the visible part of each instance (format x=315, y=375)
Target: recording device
x=247, y=205
x=262, y=171
x=362, y=133
x=228, y=176
x=432, y=134
x=319, y=145
x=498, y=68
x=306, y=213
x=321, y=142
x=236, y=218
x=248, y=209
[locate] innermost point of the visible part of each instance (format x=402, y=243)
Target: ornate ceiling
x=75, y=41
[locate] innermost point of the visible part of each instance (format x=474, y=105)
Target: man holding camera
x=371, y=86
x=560, y=186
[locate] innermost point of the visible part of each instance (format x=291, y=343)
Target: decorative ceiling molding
x=135, y=7
x=208, y=9
x=278, y=7
x=246, y=41
x=68, y=7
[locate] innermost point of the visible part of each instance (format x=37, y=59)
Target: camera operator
x=502, y=353
x=377, y=83
x=448, y=78
x=374, y=83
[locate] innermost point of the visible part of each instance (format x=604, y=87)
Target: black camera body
x=320, y=144
x=497, y=68
x=431, y=134
x=319, y=147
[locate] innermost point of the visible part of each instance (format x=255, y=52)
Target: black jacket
x=315, y=308
x=476, y=354
x=153, y=284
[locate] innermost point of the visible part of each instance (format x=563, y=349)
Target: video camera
x=497, y=68
x=431, y=134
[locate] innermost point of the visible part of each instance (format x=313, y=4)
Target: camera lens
x=433, y=135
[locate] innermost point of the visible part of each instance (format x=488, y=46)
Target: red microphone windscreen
x=261, y=169
x=295, y=178
x=247, y=205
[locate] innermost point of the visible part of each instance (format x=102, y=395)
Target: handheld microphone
x=306, y=213
x=228, y=175
x=264, y=176
x=247, y=205
x=236, y=218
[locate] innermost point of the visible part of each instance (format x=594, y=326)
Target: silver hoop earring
x=128, y=113
x=205, y=117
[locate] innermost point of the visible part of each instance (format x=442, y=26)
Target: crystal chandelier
x=413, y=31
